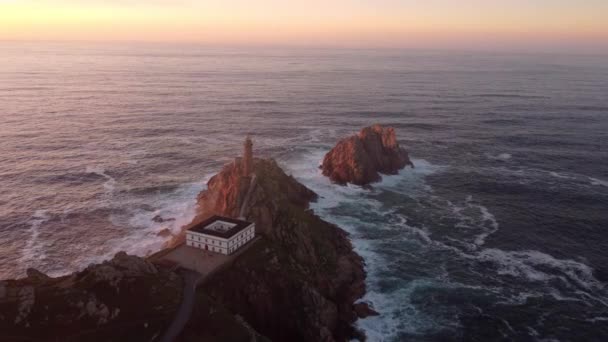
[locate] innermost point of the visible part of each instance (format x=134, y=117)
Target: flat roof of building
x=206, y=226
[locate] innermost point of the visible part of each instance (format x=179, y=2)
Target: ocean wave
x=559, y=175
x=409, y=181
x=177, y=208
x=32, y=250
x=398, y=314
x=110, y=184
x=500, y=157
x=331, y=196
x=580, y=178
x=484, y=221
x=459, y=234
x=515, y=96
x=530, y=264
x=595, y=181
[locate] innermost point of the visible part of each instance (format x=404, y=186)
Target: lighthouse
x=247, y=156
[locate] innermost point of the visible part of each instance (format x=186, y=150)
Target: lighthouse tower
x=247, y=157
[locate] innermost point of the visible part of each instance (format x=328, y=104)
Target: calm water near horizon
x=499, y=233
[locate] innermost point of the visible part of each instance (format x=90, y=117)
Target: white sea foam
x=409, y=179
x=474, y=224
x=32, y=249
x=420, y=233
x=595, y=181
x=392, y=312
x=501, y=156
x=396, y=316
x=307, y=171
x=110, y=184
x=559, y=175
x=532, y=265
x=598, y=319
x=483, y=222
x=581, y=178
x=177, y=208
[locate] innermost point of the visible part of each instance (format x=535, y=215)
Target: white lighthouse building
x=220, y=234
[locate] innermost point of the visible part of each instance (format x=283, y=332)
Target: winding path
x=252, y=184
x=191, y=279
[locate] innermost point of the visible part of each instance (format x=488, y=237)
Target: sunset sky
x=400, y=23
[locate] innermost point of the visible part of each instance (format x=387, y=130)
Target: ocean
x=499, y=233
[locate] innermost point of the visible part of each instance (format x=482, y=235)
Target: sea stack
x=361, y=158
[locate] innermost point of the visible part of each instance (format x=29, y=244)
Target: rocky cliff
x=361, y=158
x=299, y=282
x=123, y=299
x=90, y=304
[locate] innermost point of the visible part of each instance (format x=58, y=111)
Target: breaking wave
x=147, y=233
x=33, y=250
x=385, y=229
x=110, y=184
x=500, y=157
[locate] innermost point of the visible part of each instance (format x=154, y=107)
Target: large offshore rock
x=361, y=158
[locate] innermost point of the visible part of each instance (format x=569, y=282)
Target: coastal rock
x=361, y=158
x=85, y=305
x=160, y=219
x=36, y=275
x=363, y=310
x=299, y=281
x=164, y=233
x=127, y=298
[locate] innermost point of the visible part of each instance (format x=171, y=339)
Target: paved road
x=191, y=279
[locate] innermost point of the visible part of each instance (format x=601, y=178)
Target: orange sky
x=429, y=23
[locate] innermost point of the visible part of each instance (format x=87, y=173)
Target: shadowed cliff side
x=124, y=299
x=361, y=158
x=300, y=281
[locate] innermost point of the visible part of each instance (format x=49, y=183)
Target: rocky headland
x=299, y=281
x=126, y=298
x=361, y=158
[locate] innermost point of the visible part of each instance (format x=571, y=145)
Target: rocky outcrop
x=361, y=158
x=123, y=299
x=364, y=310
x=160, y=219
x=122, y=294
x=300, y=281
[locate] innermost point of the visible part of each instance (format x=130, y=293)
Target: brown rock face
x=359, y=159
x=299, y=282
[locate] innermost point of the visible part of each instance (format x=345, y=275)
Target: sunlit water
x=498, y=233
